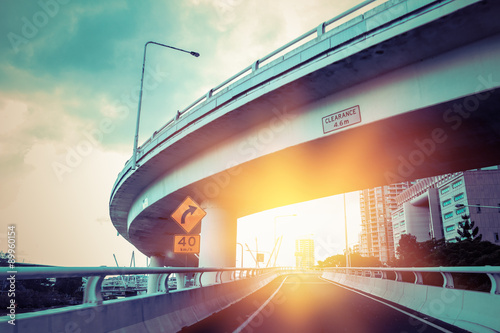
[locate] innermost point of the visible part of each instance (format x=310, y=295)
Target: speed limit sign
x=186, y=243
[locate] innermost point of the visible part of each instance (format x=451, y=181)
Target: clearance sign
x=341, y=119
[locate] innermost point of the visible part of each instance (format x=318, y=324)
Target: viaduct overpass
x=406, y=90
x=361, y=300
x=403, y=91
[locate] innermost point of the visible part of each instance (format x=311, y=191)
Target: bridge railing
x=319, y=31
x=492, y=272
x=96, y=275
x=255, y=66
x=463, y=297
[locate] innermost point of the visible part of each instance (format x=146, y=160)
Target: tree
x=337, y=260
x=467, y=231
x=357, y=260
x=409, y=251
x=68, y=286
x=466, y=252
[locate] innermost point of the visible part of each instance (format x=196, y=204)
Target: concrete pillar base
x=153, y=279
x=218, y=241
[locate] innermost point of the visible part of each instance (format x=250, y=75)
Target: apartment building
x=377, y=204
x=304, y=253
x=433, y=207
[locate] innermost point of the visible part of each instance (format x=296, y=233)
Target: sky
x=69, y=80
x=322, y=220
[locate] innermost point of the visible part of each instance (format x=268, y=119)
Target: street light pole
x=241, y=253
x=480, y=206
x=347, y=264
x=136, y=138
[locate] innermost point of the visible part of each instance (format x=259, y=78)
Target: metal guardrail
x=298, y=42
x=92, y=291
x=319, y=31
x=493, y=273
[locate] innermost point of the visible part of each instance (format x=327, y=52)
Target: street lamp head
x=196, y=54
x=459, y=205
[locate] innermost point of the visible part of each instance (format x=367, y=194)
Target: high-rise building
x=377, y=204
x=304, y=253
x=433, y=207
x=418, y=212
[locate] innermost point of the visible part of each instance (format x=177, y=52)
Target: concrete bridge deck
x=423, y=76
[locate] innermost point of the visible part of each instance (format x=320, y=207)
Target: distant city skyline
x=321, y=219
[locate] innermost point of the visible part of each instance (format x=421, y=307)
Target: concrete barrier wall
x=471, y=310
x=379, y=287
x=162, y=312
x=413, y=296
x=479, y=308
x=442, y=303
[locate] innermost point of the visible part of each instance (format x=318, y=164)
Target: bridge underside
x=380, y=153
x=422, y=143
x=453, y=132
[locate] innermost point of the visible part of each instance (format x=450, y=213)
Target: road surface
x=307, y=303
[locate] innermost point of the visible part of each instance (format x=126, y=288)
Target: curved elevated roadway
x=406, y=90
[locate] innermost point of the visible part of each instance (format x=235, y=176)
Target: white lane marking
x=391, y=306
x=249, y=319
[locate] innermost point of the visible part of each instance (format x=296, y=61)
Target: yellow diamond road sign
x=188, y=214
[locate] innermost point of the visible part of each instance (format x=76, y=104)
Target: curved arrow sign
x=190, y=210
x=188, y=214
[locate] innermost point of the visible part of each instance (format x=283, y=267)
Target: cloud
x=58, y=219
x=74, y=36
x=69, y=81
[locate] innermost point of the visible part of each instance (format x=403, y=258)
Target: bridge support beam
x=218, y=240
x=153, y=279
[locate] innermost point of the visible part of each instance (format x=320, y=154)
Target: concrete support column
x=180, y=280
x=218, y=241
x=156, y=261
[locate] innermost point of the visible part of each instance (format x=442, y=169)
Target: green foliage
x=467, y=252
x=39, y=294
x=337, y=260
x=40, y=285
x=68, y=286
x=416, y=254
x=357, y=260
x=4, y=259
x=467, y=231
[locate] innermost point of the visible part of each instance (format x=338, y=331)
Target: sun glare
x=321, y=220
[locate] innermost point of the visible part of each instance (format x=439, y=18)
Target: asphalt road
x=306, y=303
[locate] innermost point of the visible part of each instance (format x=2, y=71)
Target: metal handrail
x=493, y=273
x=25, y=273
x=255, y=65
x=226, y=82
x=452, y=269
x=92, y=293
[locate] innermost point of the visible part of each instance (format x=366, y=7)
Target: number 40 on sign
x=186, y=243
